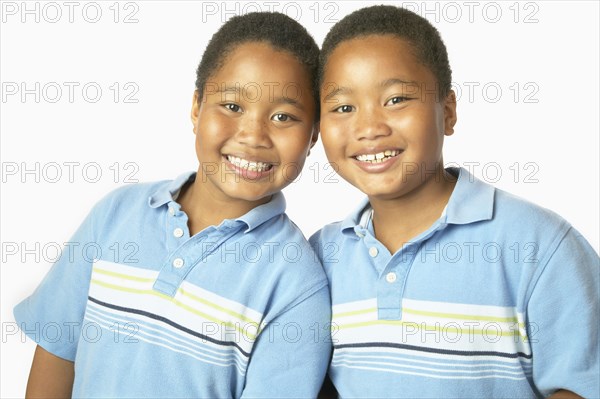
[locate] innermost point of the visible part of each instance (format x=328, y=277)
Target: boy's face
x=381, y=122
x=254, y=125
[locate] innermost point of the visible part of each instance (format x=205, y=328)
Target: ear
x=450, y=117
x=195, y=110
x=315, y=136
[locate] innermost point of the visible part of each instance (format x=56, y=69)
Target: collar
x=471, y=201
x=254, y=218
x=264, y=212
x=169, y=192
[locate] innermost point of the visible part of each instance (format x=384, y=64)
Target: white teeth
x=249, y=165
x=378, y=157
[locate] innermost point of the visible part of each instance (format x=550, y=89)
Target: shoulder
x=122, y=204
x=327, y=241
x=329, y=232
x=521, y=218
x=287, y=268
x=128, y=197
x=553, y=235
x=292, y=247
x=135, y=193
x=532, y=233
x=478, y=207
x=283, y=228
x=511, y=208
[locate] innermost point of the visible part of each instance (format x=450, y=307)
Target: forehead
x=261, y=65
x=375, y=56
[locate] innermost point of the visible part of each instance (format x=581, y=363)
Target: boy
x=441, y=285
x=217, y=291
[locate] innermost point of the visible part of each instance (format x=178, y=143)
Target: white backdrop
x=97, y=94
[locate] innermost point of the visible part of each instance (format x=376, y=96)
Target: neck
x=398, y=220
x=205, y=207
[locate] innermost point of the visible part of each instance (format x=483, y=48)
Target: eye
x=396, y=100
x=233, y=107
x=343, y=109
x=282, y=118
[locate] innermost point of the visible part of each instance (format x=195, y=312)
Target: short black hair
x=277, y=29
x=428, y=45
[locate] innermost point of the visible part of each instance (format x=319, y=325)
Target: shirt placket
x=186, y=252
x=388, y=307
x=392, y=271
x=392, y=283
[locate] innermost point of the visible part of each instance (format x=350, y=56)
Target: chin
x=375, y=187
x=373, y=192
x=383, y=192
x=246, y=193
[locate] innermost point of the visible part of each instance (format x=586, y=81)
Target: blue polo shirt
x=498, y=298
x=145, y=310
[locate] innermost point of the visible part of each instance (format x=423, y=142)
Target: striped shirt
x=498, y=298
x=145, y=310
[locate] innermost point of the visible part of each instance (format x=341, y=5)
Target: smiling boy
x=222, y=291
x=442, y=285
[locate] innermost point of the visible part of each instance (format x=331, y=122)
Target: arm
x=50, y=376
x=562, y=319
x=58, y=302
x=291, y=355
x=562, y=394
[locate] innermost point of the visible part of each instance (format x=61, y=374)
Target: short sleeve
x=53, y=315
x=292, y=353
x=563, y=318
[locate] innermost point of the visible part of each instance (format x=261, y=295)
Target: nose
x=371, y=124
x=254, y=132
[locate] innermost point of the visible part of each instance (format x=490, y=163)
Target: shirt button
x=177, y=263
x=178, y=232
x=390, y=277
x=373, y=252
x=171, y=211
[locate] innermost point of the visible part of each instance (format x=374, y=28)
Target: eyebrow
x=336, y=91
x=287, y=100
x=226, y=89
x=395, y=81
x=384, y=84
x=275, y=100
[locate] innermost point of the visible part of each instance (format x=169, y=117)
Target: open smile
x=253, y=166
x=249, y=169
x=377, y=161
x=378, y=157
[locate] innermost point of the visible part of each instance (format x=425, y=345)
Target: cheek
x=418, y=127
x=213, y=128
x=294, y=146
x=210, y=136
x=332, y=136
